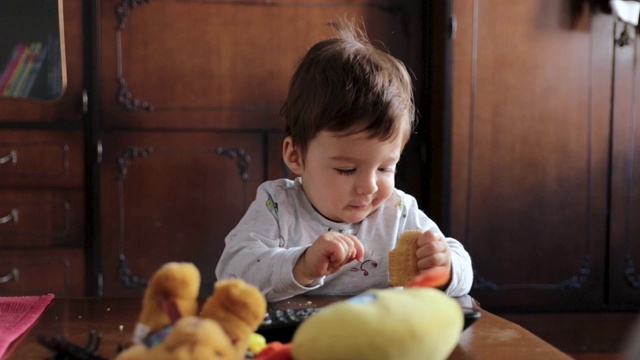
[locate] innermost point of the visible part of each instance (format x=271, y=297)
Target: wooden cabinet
x=544, y=185
x=189, y=120
x=42, y=212
x=166, y=123
x=212, y=65
x=42, y=156
x=624, y=231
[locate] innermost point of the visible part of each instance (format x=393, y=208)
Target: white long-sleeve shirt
x=281, y=223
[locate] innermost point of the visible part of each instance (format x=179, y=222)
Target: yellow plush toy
x=170, y=328
x=418, y=322
x=409, y=324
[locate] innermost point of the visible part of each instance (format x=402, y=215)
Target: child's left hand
x=433, y=252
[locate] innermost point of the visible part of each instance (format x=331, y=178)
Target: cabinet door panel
x=529, y=157
x=57, y=271
x=624, y=257
x=220, y=65
x=172, y=197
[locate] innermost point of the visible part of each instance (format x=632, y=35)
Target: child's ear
x=292, y=156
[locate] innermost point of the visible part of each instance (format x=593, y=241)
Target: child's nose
x=367, y=184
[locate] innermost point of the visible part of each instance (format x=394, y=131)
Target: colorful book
x=35, y=70
x=16, y=72
x=34, y=52
x=11, y=65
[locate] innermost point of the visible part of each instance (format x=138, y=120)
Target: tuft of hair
x=349, y=30
x=346, y=85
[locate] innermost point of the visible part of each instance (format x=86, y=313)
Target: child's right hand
x=328, y=254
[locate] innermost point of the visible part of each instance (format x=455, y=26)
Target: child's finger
x=357, y=248
x=432, y=260
x=427, y=237
x=431, y=247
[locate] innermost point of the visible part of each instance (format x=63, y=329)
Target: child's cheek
x=385, y=188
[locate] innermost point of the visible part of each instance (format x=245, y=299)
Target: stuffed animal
x=170, y=328
x=409, y=324
x=418, y=322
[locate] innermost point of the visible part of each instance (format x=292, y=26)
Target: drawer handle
x=11, y=156
x=14, y=274
x=12, y=216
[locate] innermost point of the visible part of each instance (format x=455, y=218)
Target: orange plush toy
x=169, y=326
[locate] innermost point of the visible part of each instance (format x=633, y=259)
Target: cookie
x=403, y=262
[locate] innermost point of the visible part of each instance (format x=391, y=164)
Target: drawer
x=57, y=271
x=41, y=218
x=37, y=157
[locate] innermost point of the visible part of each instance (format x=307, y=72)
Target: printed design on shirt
x=402, y=208
x=363, y=265
x=272, y=207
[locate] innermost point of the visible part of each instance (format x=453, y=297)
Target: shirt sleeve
x=253, y=252
x=462, y=270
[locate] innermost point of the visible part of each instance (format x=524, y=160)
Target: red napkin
x=17, y=315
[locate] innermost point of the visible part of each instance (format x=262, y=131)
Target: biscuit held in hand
x=403, y=261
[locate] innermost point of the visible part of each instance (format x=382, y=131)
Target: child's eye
x=345, y=171
x=387, y=170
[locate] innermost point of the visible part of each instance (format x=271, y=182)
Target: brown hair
x=346, y=85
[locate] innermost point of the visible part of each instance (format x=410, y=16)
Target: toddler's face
x=346, y=178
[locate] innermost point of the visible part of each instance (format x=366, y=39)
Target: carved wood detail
x=125, y=276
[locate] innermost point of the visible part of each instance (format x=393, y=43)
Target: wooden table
x=491, y=337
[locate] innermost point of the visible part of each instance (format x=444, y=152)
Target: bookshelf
x=42, y=147
x=31, y=58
